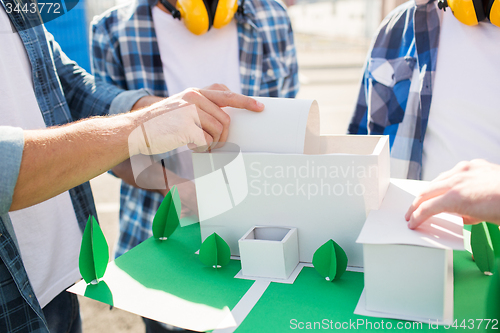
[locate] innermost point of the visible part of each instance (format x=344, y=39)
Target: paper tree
x=485, y=244
x=167, y=216
x=94, y=252
x=330, y=260
x=215, y=252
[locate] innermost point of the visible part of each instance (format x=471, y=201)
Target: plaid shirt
x=125, y=53
x=396, y=90
x=64, y=92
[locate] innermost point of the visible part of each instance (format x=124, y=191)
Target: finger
x=212, y=126
x=203, y=145
x=217, y=86
x=229, y=98
x=434, y=189
x=205, y=105
x=198, y=139
x=426, y=210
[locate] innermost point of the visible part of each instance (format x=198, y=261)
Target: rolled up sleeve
x=126, y=100
x=11, y=150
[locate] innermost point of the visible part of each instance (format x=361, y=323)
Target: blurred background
x=332, y=38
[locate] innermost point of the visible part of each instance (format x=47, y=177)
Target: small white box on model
x=269, y=252
x=408, y=273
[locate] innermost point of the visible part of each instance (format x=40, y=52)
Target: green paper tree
x=485, y=238
x=215, y=252
x=100, y=292
x=167, y=216
x=94, y=252
x=330, y=260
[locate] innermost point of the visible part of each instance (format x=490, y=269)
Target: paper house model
x=325, y=196
x=269, y=252
x=408, y=274
x=284, y=173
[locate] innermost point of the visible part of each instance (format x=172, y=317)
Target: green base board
x=173, y=266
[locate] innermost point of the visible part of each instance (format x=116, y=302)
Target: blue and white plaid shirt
x=65, y=93
x=125, y=53
x=396, y=90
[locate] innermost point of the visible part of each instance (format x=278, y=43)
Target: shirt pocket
x=274, y=72
x=389, y=87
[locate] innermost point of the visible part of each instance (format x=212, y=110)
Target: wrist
x=145, y=102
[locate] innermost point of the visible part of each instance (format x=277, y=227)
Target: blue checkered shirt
x=396, y=90
x=125, y=53
x=64, y=92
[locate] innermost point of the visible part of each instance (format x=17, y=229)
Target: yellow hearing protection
x=471, y=12
x=200, y=15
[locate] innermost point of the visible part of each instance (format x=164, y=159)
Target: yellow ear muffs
x=195, y=15
x=200, y=15
x=493, y=12
x=224, y=12
x=469, y=12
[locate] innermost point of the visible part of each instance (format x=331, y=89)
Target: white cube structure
x=409, y=280
x=408, y=273
x=269, y=252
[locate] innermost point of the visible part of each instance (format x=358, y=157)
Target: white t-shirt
x=464, y=119
x=48, y=234
x=195, y=61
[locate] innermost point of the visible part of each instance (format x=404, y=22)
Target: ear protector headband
x=201, y=15
x=471, y=12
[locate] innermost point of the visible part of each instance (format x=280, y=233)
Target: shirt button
x=270, y=72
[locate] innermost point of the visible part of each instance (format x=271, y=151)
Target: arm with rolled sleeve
x=17, y=304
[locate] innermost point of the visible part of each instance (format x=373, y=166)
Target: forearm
x=57, y=159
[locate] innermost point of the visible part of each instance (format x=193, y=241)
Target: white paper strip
x=244, y=306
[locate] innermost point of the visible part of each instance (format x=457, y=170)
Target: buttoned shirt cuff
x=126, y=100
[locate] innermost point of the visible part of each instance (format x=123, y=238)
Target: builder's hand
x=193, y=117
x=470, y=189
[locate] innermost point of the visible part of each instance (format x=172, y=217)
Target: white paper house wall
x=408, y=273
x=409, y=280
x=326, y=195
x=270, y=252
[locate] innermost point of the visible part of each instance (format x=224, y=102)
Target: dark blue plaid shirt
x=396, y=90
x=65, y=92
x=125, y=53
